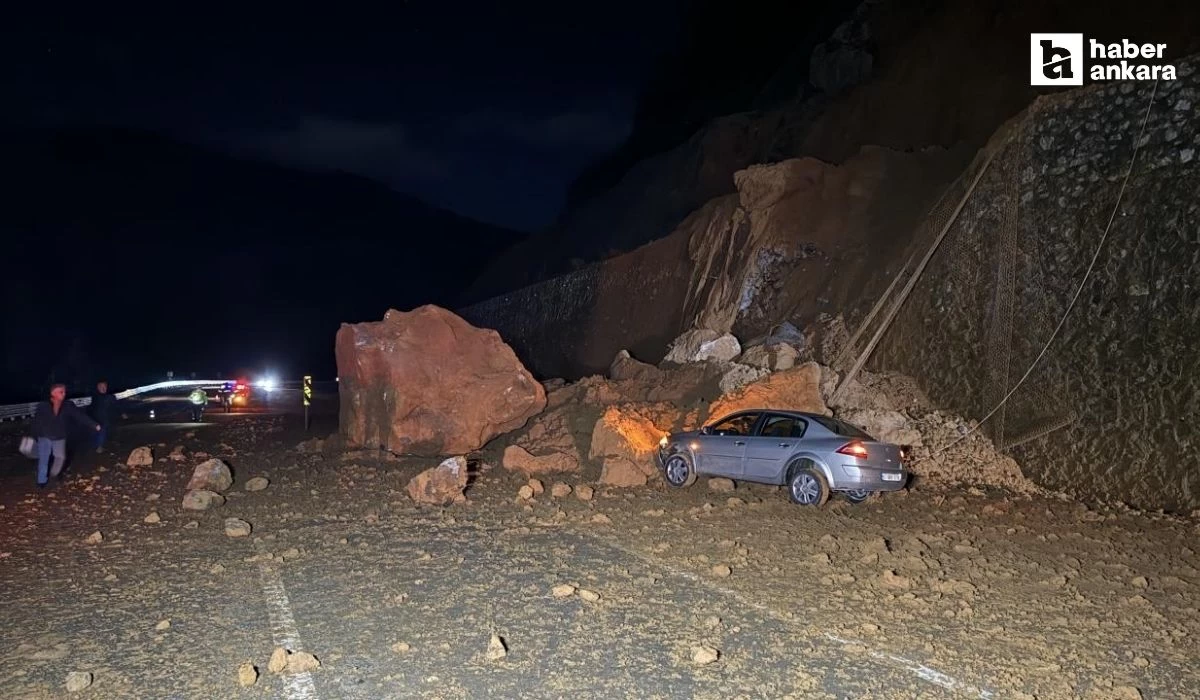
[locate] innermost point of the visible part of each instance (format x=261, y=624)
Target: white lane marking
x=284, y=633
x=918, y=669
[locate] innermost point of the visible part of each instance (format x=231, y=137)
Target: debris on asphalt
x=247, y=674
x=257, y=483
x=78, y=680
x=236, y=527
x=496, y=649
x=140, y=457
x=702, y=655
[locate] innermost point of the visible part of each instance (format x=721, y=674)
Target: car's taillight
x=854, y=449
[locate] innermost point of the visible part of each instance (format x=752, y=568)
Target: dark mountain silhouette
x=196, y=261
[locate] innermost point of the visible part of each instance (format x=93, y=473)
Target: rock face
x=140, y=457
x=796, y=389
x=212, y=475
x=441, y=485
x=426, y=382
x=702, y=344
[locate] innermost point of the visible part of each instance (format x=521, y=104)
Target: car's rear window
x=838, y=427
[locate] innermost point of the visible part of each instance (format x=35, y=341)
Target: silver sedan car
x=813, y=455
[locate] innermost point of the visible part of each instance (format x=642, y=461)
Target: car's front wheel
x=858, y=495
x=678, y=471
x=808, y=487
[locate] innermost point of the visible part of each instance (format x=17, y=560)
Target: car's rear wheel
x=858, y=495
x=808, y=487
x=678, y=471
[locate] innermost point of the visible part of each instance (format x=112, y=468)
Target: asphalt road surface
x=400, y=601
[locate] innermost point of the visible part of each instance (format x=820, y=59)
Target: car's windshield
x=839, y=427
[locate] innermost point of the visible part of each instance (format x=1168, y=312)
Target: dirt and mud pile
x=608, y=428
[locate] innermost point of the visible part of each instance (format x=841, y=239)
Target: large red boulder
x=426, y=382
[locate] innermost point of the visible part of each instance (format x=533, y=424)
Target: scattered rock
x=177, y=454
x=163, y=625
x=722, y=571
x=441, y=485
x=620, y=472
x=152, y=518
x=702, y=655
x=236, y=527
x=519, y=459
x=496, y=649
x=796, y=389
x=1140, y=582
x=401, y=647
x=140, y=457
x=247, y=675
x=589, y=595
x=201, y=499
x=191, y=525
x=95, y=538
x=702, y=344
x=279, y=660
x=211, y=475
x=601, y=519
x=537, y=486
x=738, y=376
x=584, y=493
x=399, y=392
x=525, y=492
x=774, y=357
x=563, y=590
x=302, y=662
x=624, y=367
x=721, y=485
x=78, y=680
x=560, y=490
x=257, y=483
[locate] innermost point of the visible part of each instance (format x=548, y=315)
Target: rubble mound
x=630, y=414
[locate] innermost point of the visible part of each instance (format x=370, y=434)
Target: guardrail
x=19, y=411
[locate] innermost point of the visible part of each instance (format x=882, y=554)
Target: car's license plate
x=890, y=477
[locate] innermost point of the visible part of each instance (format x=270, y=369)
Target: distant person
x=102, y=409
x=198, y=399
x=50, y=429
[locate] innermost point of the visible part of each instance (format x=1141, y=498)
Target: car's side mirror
x=706, y=430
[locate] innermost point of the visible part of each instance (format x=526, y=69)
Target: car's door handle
x=785, y=444
x=739, y=443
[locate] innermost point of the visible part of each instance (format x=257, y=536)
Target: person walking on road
x=102, y=408
x=50, y=428
x=198, y=399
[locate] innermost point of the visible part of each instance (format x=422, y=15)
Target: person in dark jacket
x=50, y=428
x=102, y=409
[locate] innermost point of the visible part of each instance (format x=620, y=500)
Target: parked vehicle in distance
x=811, y=454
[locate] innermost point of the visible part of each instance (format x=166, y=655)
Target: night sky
x=158, y=214
x=487, y=109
